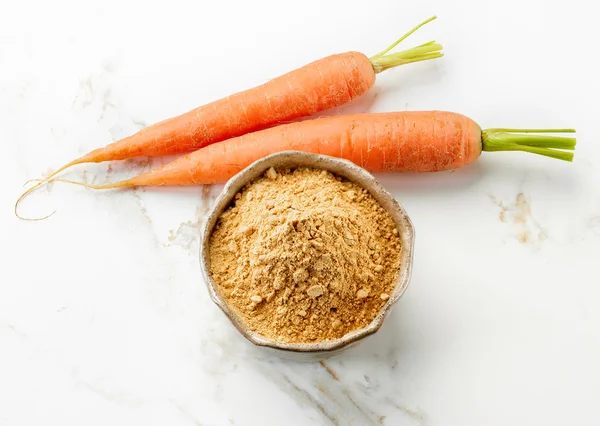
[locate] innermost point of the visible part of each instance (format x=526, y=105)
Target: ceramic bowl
x=342, y=168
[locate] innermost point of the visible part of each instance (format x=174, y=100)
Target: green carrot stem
x=542, y=141
x=382, y=61
x=404, y=37
x=426, y=44
x=406, y=57
x=498, y=130
x=512, y=140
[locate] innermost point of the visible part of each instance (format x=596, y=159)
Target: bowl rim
x=238, y=181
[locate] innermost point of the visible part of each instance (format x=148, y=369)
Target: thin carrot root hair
x=384, y=61
x=120, y=184
x=51, y=179
x=41, y=182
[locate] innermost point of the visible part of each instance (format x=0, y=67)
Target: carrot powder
x=320, y=85
x=409, y=141
x=304, y=256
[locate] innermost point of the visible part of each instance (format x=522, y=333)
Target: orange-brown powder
x=304, y=256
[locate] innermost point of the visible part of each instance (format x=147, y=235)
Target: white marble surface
x=104, y=318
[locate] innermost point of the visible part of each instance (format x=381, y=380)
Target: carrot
x=320, y=85
x=410, y=141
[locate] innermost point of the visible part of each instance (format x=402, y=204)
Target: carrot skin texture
x=317, y=86
x=411, y=141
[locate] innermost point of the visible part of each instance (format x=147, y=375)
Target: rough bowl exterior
x=349, y=171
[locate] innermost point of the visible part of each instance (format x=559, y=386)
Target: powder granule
x=303, y=256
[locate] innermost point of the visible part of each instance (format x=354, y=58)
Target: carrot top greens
x=431, y=50
x=523, y=140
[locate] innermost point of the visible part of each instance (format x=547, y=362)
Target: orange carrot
x=320, y=85
x=410, y=141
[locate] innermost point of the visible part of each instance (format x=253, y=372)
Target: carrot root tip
x=41, y=182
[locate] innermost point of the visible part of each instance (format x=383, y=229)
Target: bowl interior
x=342, y=168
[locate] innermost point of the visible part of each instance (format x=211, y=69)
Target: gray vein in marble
x=187, y=235
x=367, y=380
x=92, y=88
x=140, y=203
x=85, y=87
x=302, y=393
x=414, y=414
x=335, y=400
x=96, y=88
x=186, y=414
x=359, y=406
x=329, y=370
x=106, y=103
x=116, y=397
x=16, y=331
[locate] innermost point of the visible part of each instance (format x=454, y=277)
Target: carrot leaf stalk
x=384, y=61
x=524, y=140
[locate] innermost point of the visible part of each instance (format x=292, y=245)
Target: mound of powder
x=303, y=255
